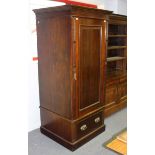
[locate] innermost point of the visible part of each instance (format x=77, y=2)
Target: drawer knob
x=97, y=120
x=83, y=127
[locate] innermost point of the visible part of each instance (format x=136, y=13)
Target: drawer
x=89, y=124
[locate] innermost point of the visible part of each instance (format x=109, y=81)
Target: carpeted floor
x=41, y=145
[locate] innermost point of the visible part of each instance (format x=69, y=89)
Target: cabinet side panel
x=53, y=35
x=55, y=124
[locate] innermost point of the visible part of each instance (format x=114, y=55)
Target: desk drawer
x=85, y=126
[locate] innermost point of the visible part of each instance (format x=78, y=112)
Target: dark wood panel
x=116, y=94
x=122, y=89
x=78, y=143
x=90, y=38
x=91, y=55
x=87, y=125
x=55, y=124
x=72, y=130
x=111, y=93
x=111, y=109
x=54, y=64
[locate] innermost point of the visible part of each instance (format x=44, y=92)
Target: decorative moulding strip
x=78, y=3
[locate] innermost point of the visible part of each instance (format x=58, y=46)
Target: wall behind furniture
x=122, y=7
x=33, y=105
x=110, y=5
x=118, y=6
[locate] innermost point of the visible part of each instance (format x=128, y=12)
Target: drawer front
x=89, y=124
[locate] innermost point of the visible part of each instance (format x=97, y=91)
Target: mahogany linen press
x=71, y=44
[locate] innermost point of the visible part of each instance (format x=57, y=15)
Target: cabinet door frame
x=112, y=85
x=122, y=88
x=76, y=68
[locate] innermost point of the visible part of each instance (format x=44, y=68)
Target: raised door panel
x=89, y=65
x=111, y=94
x=123, y=89
x=91, y=57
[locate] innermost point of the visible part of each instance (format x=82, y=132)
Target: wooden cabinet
x=72, y=56
x=116, y=95
x=122, y=88
x=89, y=69
x=116, y=74
x=111, y=92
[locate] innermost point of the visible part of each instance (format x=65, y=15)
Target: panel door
x=111, y=97
x=122, y=89
x=90, y=66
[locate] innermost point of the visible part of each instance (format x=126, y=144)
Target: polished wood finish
x=88, y=125
x=116, y=76
x=77, y=144
x=89, y=54
x=91, y=62
x=54, y=67
x=72, y=54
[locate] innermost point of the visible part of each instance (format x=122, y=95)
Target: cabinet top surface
x=118, y=17
x=70, y=8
